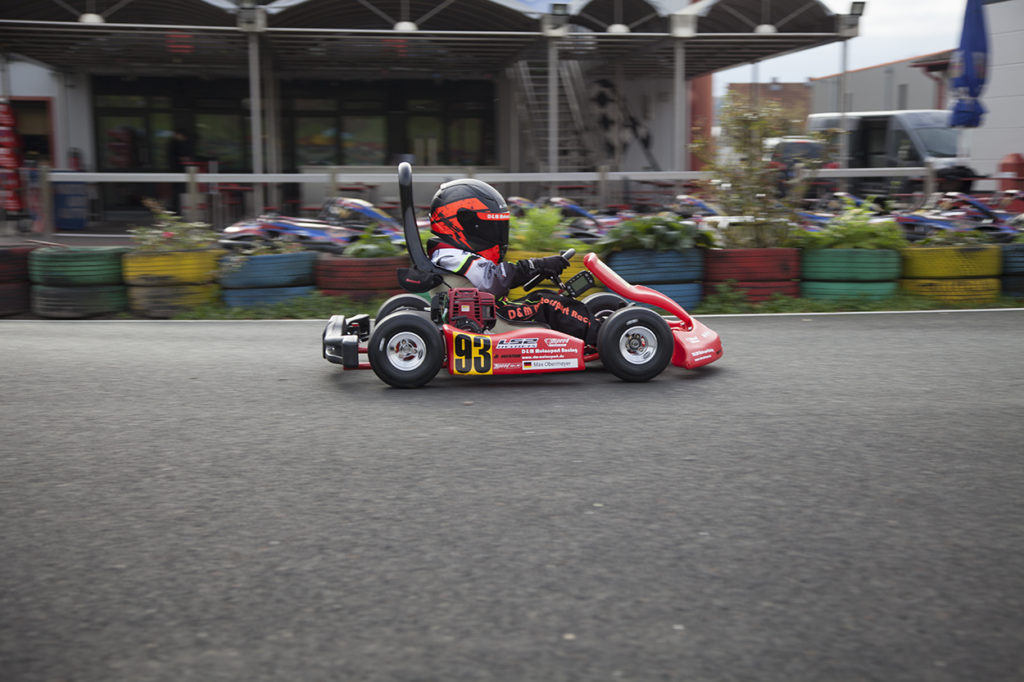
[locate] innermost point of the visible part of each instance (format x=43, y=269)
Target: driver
x=469, y=221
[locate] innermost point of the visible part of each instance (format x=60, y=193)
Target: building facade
x=923, y=83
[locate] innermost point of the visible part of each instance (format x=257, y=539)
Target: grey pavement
x=839, y=498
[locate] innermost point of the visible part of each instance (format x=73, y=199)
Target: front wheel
x=406, y=349
x=635, y=344
x=604, y=303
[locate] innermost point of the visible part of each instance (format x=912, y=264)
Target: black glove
x=549, y=266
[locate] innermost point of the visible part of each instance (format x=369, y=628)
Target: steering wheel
x=537, y=279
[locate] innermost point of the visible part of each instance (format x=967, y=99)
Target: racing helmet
x=471, y=215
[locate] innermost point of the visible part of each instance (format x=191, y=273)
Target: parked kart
x=410, y=340
x=958, y=212
x=340, y=221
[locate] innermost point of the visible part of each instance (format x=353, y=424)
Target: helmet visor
x=485, y=228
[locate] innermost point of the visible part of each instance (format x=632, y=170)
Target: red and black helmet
x=471, y=215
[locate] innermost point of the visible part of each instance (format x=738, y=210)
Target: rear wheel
x=402, y=302
x=406, y=349
x=635, y=344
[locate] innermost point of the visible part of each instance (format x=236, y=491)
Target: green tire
x=823, y=291
x=851, y=265
x=77, y=302
x=82, y=266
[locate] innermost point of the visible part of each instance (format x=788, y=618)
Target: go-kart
x=341, y=221
x=409, y=340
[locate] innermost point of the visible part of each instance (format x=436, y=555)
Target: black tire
x=635, y=344
x=603, y=304
x=406, y=349
x=401, y=302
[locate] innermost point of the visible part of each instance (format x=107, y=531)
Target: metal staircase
x=579, y=146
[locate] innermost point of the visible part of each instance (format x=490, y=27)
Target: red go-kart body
x=410, y=340
x=522, y=350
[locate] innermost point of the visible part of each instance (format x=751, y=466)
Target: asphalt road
x=838, y=498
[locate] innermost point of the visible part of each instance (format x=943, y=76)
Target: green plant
x=370, y=245
x=956, y=238
x=170, y=232
x=661, y=232
x=540, y=229
x=856, y=227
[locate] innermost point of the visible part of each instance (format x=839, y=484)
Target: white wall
x=70, y=110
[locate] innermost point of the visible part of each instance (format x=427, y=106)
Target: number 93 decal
x=471, y=354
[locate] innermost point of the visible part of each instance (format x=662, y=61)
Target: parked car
x=790, y=152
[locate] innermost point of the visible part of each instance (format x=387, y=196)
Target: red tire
x=14, y=263
x=759, y=291
x=751, y=265
x=361, y=274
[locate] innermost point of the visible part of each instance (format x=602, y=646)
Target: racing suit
x=558, y=312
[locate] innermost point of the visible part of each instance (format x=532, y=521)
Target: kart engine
x=470, y=309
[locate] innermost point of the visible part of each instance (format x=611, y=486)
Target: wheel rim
x=406, y=351
x=638, y=345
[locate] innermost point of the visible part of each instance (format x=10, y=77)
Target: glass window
x=316, y=141
x=364, y=141
x=221, y=138
x=307, y=104
x=121, y=101
x=121, y=142
x=424, y=134
x=465, y=139
x=161, y=129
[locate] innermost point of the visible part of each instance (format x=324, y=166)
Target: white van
x=887, y=139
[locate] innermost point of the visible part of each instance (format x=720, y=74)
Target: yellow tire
x=943, y=262
x=168, y=301
x=967, y=290
x=170, y=268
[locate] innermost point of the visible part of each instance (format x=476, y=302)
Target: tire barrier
x=14, y=298
x=829, y=274
x=762, y=273
x=162, y=284
x=271, y=270
x=358, y=278
x=1013, y=270
x=56, y=266
x=847, y=290
x=14, y=282
x=14, y=263
x=687, y=294
x=954, y=274
x=952, y=262
x=78, y=302
x=363, y=295
x=76, y=282
x=677, y=274
x=270, y=278
x=170, y=268
x=168, y=301
x=964, y=290
x=250, y=298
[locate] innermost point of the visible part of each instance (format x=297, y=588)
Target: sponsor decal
x=556, y=343
x=517, y=343
x=553, y=363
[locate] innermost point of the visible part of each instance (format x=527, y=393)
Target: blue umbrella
x=968, y=68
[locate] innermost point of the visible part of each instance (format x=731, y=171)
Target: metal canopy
x=356, y=38
x=339, y=53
